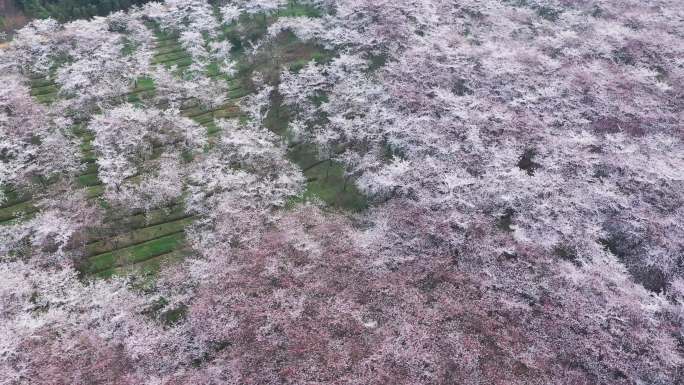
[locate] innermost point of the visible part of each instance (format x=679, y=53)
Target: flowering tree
x=259, y=6
x=245, y=174
x=172, y=92
x=195, y=22
x=257, y=105
x=60, y=226
x=87, y=58
x=158, y=184
x=126, y=139
x=56, y=329
x=34, y=143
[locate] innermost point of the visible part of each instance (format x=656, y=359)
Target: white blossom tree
x=126, y=140
x=35, y=144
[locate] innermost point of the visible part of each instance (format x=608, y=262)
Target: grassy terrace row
x=138, y=236
x=17, y=210
x=42, y=81
x=145, y=266
x=133, y=254
x=136, y=220
x=14, y=197
x=44, y=90
x=51, y=97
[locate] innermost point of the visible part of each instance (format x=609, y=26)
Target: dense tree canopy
x=345, y=192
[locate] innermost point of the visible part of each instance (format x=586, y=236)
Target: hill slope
x=352, y=192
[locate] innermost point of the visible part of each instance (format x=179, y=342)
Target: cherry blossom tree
x=160, y=184
x=35, y=144
x=257, y=105
x=246, y=173
x=56, y=328
x=126, y=139
x=61, y=224
x=31, y=49
x=259, y=6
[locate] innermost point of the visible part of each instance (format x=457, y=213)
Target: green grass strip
x=88, y=180
x=47, y=98
x=147, y=267
x=117, y=225
x=233, y=112
x=212, y=129
x=14, y=211
x=203, y=118
x=165, y=42
x=179, y=62
x=14, y=197
x=86, y=146
x=42, y=82
x=138, y=236
x=49, y=89
x=168, y=49
x=237, y=93
x=90, y=168
x=134, y=254
x=226, y=109
x=154, y=217
x=94, y=191
x=165, y=58
x=15, y=221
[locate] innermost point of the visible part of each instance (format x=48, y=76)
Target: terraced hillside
x=142, y=242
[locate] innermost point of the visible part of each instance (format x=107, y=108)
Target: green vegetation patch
x=326, y=179
x=133, y=254
x=149, y=267
x=13, y=197
x=16, y=210
x=137, y=236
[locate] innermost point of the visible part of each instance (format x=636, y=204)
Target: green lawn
x=137, y=236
